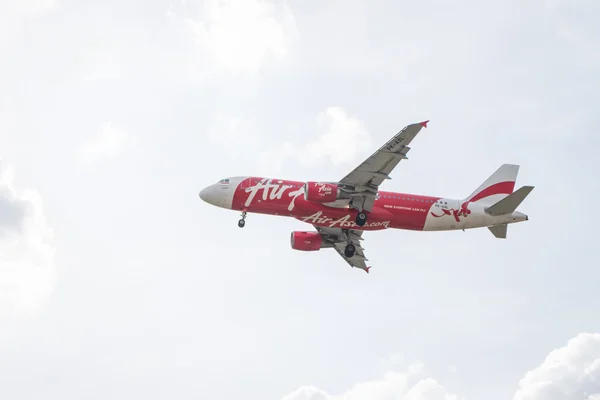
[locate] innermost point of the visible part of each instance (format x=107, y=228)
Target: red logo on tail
x=462, y=212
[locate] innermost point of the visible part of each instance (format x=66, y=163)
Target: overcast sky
x=118, y=282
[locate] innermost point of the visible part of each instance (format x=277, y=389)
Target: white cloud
x=234, y=133
x=27, y=272
x=225, y=129
x=34, y=6
x=273, y=158
x=570, y=372
x=409, y=385
x=99, y=64
x=341, y=138
x=111, y=141
x=238, y=35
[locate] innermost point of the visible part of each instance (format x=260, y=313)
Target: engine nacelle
x=306, y=241
x=320, y=192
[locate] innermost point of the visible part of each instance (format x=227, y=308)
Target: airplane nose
x=216, y=195
x=205, y=194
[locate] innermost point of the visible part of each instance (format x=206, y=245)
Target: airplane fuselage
x=391, y=210
x=339, y=212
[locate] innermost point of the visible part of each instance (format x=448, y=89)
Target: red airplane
x=341, y=211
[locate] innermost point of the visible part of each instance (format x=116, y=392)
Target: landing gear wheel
x=361, y=218
x=242, y=222
x=349, y=250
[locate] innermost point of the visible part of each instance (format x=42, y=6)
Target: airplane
x=342, y=211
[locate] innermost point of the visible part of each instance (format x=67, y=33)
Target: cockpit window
x=224, y=182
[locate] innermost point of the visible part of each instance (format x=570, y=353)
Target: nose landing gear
x=242, y=222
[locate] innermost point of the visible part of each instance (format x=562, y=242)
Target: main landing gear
x=361, y=218
x=242, y=222
x=349, y=250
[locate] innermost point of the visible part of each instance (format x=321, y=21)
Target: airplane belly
x=319, y=215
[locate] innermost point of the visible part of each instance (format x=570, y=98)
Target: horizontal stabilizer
x=509, y=204
x=499, y=230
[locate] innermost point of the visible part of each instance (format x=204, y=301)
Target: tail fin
x=499, y=185
x=509, y=204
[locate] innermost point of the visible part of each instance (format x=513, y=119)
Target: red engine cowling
x=306, y=241
x=320, y=192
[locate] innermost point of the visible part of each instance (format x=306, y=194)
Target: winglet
x=367, y=269
x=424, y=123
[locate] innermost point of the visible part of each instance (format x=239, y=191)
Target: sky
x=116, y=280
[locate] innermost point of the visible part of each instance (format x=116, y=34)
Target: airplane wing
x=339, y=238
x=363, y=182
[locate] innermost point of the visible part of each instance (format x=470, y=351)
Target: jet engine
x=307, y=241
x=320, y=192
